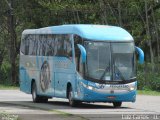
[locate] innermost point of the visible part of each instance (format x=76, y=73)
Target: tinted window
x=67, y=46
x=77, y=40
x=98, y=60
x=60, y=44
x=63, y=46
x=123, y=60
x=46, y=45
x=32, y=45
x=43, y=39
x=25, y=44
x=50, y=45
x=29, y=45
x=36, y=45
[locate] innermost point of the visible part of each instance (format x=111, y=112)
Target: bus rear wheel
x=117, y=104
x=36, y=98
x=72, y=102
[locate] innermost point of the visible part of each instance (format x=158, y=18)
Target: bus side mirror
x=141, y=54
x=83, y=53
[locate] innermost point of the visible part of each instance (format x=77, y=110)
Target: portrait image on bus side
x=80, y=62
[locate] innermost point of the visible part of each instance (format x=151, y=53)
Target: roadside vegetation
x=148, y=92
x=148, y=80
x=7, y=116
x=8, y=87
x=140, y=18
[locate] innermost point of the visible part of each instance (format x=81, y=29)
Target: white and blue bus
x=83, y=63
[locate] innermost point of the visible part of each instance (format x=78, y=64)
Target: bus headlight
x=86, y=86
x=90, y=87
x=131, y=88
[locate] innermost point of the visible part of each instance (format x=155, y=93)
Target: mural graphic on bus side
x=45, y=76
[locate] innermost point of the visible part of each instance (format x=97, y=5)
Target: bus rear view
x=102, y=65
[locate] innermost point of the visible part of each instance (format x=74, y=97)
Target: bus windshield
x=110, y=61
x=98, y=60
x=123, y=61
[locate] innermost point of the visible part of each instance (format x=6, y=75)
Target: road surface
x=18, y=103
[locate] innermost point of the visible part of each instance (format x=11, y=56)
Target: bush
x=5, y=73
x=148, y=79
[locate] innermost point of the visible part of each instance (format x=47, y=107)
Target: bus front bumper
x=95, y=96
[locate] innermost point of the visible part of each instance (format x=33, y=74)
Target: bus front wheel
x=117, y=104
x=72, y=102
x=36, y=98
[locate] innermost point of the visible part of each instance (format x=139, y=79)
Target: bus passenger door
x=61, y=80
x=59, y=85
x=64, y=73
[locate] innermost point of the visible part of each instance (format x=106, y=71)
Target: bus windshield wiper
x=106, y=70
x=121, y=76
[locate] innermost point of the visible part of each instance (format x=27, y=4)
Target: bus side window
x=79, y=66
x=63, y=46
x=41, y=45
x=60, y=50
x=35, y=45
x=32, y=45
x=25, y=45
x=50, y=45
x=38, y=44
x=67, y=46
x=44, y=41
x=56, y=45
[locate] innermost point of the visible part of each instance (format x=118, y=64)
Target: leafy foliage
x=129, y=14
x=148, y=80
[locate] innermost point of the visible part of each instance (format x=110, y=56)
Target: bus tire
x=36, y=98
x=117, y=104
x=72, y=102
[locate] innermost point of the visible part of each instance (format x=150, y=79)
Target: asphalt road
x=18, y=103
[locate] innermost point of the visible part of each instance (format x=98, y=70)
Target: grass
x=6, y=116
x=8, y=87
x=148, y=92
x=62, y=113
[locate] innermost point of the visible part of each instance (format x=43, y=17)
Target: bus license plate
x=111, y=97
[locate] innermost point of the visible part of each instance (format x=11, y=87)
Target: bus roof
x=91, y=32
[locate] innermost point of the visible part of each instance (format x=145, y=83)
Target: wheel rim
x=70, y=98
x=34, y=93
